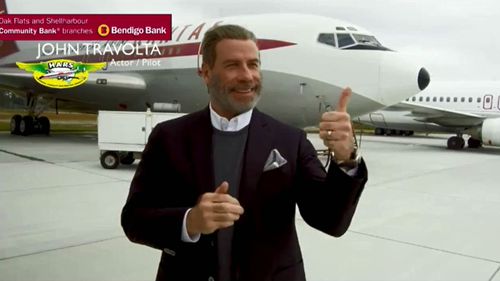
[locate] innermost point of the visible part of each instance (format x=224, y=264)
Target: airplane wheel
x=110, y=160
x=14, y=124
x=473, y=143
x=45, y=125
x=456, y=143
x=379, y=131
x=390, y=132
x=407, y=133
x=128, y=159
x=26, y=125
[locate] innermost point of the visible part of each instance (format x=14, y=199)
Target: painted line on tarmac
x=62, y=248
x=26, y=156
x=425, y=247
x=495, y=273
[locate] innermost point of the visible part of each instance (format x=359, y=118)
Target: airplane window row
x=447, y=99
x=351, y=41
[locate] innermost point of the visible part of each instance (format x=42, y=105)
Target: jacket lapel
x=201, y=144
x=259, y=145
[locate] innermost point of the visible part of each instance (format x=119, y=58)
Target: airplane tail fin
x=6, y=47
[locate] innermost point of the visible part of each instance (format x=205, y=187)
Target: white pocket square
x=274, y=160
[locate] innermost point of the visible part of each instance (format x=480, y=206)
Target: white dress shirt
x=235, y=124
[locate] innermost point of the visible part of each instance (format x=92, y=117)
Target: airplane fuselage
x=302, y=77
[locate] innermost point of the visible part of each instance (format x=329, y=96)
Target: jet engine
x=490, y=131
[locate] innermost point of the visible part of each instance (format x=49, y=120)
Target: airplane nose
x=423, y=79
x=401, y=76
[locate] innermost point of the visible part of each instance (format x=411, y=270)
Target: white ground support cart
x=122, y=135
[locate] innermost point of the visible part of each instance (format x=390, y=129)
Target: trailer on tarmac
x=122, y=135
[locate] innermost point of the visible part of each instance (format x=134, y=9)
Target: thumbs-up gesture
x=336, y=130
x=213, y=211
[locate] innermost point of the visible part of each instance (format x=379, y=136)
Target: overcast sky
x=454, y=39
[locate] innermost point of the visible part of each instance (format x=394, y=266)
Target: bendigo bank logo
x=103, y=30
x=61, y=74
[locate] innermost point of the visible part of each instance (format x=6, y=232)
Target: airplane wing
x=31, y=67
x=440, y=116
x=108, y=83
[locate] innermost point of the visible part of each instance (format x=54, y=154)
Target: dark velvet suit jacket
x=177, y=167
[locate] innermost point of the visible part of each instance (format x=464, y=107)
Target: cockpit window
x=327, y=38
x=352, y=28
x=345, y=39
x=348, y=41
x=366, y=39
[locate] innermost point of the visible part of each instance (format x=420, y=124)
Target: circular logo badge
x=103, y=30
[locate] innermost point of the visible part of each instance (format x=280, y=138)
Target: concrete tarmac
x=427, y=213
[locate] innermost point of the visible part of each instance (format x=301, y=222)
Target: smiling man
x=216, y=190
x=233, y=77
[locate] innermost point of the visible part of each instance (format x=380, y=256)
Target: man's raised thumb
x=345, y=96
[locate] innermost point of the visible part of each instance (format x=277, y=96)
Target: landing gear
x=408, y=133
x=392, y=132
x=456, y=143
x=474, y=143
x=379, y=131
x=27, y=125
x=32, y=123
x=15, y=122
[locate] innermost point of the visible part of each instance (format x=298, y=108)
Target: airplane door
x=488, y=102
x=378, y=119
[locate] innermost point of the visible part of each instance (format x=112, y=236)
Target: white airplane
x=306, y=61
x=471, y=108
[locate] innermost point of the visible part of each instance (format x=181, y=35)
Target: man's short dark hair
x=216, y=34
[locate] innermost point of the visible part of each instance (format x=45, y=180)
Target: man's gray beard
x=223, y=99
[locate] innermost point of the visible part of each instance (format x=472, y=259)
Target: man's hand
x=336, y=130
x=214, y=210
